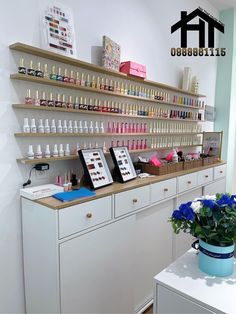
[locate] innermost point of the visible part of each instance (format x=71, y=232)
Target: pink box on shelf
x=133, y=68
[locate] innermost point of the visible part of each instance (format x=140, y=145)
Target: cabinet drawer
x=205, y=176
x=219, y=172
x=129, y=201
x=162, y=190
x=79, y=217
x=187, y=182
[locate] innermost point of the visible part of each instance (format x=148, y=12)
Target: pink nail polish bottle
x=118, y=129
x=113, y=128
x=137, y=145
x=112, y=144
x=133, y=145
x=108, y=128
x=123, y=143
x=137, y=130
x=141, y=128
x=145, y=144
x=133, y=128
x=117, y=143
x=141, y=144
x=145, y=128
x=130, y=128
x=126, y=128
x=128, y=145
x=122, y=129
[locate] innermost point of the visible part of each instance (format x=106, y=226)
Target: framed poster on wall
x=212, y=143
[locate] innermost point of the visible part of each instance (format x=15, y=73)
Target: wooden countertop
x=119, y=187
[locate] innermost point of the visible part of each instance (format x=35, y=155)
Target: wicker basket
x=165, y=169
x=210, y=160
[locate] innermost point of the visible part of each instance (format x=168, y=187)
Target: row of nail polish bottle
x=131, y=144
x=122, y=128
x=56, y=152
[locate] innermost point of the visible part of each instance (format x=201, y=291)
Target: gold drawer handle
x=206, y=176
x=89, y=215
x=166, y=190
x=189, y=182
x=135, y=200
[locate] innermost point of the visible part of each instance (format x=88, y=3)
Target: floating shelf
x=88, y=66
x=75, y=157
x=33, y=79
x=87, y=112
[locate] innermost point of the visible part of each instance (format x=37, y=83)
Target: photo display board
x=123, y=163
x=95, y=167
x=212, y=143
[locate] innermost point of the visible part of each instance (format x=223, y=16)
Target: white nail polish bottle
x=33, y=128
x=41, y=127
x=75, y=127
x=96, y=144
x=80, y=128
x=46, y=126
x=65, y=129
x=30, y=153
x=47, y=153
x=61, y=151
x=85, y=129
x=70, y=127
x=67, y=150
x=77, y=149
x=38, y=154
x=55, y=151
x=85, y=145
x=91, y=127
x=104, y=147
x=90, y=145
x=53, y=127
x=26, y=127
x=102, y=127
x=59, y=127
x=96, y=128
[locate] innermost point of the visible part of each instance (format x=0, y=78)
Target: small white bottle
x=26, y=127
x=30, y=153
x=85, y=128
x=38, y=153
x=84, y=145
x=77, y=148
x=175, y=156
x=70, y=127
x=104, y=147
x=53, y=127
x=67, y=150
x=33, y=128
x=91, y=127
x=41, y=126
x=47, y=153
x=61, y=151
x=55, y=151
x=102, y=127
x=90, y=145
x=46, y=127
x=75, y=127
x=80, y=127
x=96, y=128
x=96, y=144
x=64, y=128
x=59, y=127
x=150, y=128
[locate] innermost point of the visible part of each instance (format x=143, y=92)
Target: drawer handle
x=206, y=176
x=135, y=200
x=189, y=182
x=221, y=171
x=89, y=215
x=166, y=190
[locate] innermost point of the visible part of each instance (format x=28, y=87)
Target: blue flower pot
x=216, y=260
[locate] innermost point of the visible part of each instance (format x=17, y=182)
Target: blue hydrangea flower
x=209, y=203
x=177, y=214
x=224, y=200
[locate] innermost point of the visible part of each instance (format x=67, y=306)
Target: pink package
x=169, y=156
x=133, y=68
x=154, y=161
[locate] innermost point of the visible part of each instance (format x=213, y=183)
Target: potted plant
x=212, y=220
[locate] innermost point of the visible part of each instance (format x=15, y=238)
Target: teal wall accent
x=226, y=95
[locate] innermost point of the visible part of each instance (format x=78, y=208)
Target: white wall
x=143, y=30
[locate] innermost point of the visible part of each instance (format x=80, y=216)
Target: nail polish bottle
x=66, y=77
x=77, y=148
x=26, y=127
x=59, y=75
x=70, y=127
x=118, y=128
x=43, y=100
x=104, y=107
x=61, y=152
x=76, y=105
x=85, y=106
x=58, y=102
x=118, y=87
x=28, y=98
x=93, y=82
x=75, y=127
x=82, y=81
x=116, y=108
x=127, y=90
x=46, y=126
x=90, y=106
x=41, y=126
x=128, y=144
x=59, y=127
x=64, y=102
x=55, y=151
x=117, y=143
x=36, y=99
x=96, y=144
x=133, y=127
x=53, y=75
x=53, y=128
x=64, y=128
x=106, y=86
x=31, y=70
x=38, y=153
x=112, y=143
x=102, y=86
x=85, y=128
x=77, y=79
x=133, y=145
x=87, y=82
x=141, y=144
x=51, y=101
x=72, y=77
x=30, y=153
x=145, y=144
x=39, y=72
x=46, y=74
x=80, y=127
x=91, y=127
x=70, y=104
x=111, y=86
x=137, y=145
x=108, y=127
x=81, y=103
x=96, y=106
x=97, y=83
x=22, y=68
x=113, y=129
x=108, y=106
x=96, y=128
x=90, y=145
x=47, y=153
x=104, y=147
x=33, y=128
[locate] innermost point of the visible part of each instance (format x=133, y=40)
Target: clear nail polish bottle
x=53, y=75
x=46, y=74
x=51, y=102
x=39, y=72
x=22, y=68
x=31, y=70
x=37, y=99
x=43, y=100
x=66, y=77
x=28, y=98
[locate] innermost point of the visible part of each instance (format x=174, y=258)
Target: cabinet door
x=153, y=249
x=215, y=187
x=182, y=242
x=96, y=268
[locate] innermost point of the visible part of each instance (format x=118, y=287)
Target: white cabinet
x=219, y=172
x=162, y=190
x=187, y=182
x=152, y=249
x=215, y=187
x=205, y=176
x=95, y=270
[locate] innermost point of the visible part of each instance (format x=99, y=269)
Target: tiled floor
x=149, y=310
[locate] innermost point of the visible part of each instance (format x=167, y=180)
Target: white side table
x=183, y=288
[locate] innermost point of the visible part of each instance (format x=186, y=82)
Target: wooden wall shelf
x=88, y=66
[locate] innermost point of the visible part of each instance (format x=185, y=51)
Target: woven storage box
x=188, y=165
x=210, y=160
x=165, y=169
x=197, y=163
